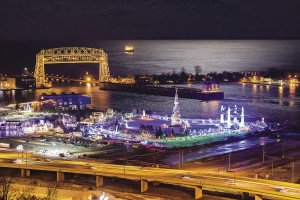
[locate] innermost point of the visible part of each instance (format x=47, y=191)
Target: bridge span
x=70, y=55
x=259, y=188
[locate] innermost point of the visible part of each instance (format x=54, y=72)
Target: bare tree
x=174, y=71
x=51, y=193
x=198, y=70
x=5, y=185
x=25, y=194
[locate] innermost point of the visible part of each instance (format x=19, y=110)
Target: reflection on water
x=270, y=102
x=280, y=92
x=292, y=95
x=254, y=90
x=214, y=106
x=244, y=85
x=292, y=89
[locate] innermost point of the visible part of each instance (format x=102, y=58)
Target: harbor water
x=275, y=104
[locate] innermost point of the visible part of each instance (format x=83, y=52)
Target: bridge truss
x=70, y=55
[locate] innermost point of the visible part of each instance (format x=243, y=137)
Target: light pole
x=293, y=171
x=272, y=172
x=282, y=147
x=234, y=177
x=179, y=160
x=182, y=157
x=263, y=153
x=26, y=156
x=44, y=151
x=229, y=161
x=125, y=161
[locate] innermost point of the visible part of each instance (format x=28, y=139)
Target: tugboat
x=129, y=49
x=279, y=127
x=277, y=131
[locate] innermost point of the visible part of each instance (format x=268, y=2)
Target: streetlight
x=282, y=147
x=272, y=172
x=234, y=177
x=125, y=161
x=26, y=156
x=263, y=153
x=44, y=152
x=229, y=161
x=293, y=169
x=180, y=159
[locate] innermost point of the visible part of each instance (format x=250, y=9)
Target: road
x=209, y=181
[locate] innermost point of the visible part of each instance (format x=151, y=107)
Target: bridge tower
x=39, y=71
x=70, y=55
x=104, y=73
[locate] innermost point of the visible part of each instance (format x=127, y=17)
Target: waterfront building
x=26, y=80
x=67, y=101
x=7, y=82
x=10, y=128
x=176, y=117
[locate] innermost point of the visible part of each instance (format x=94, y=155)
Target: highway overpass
x=259, y=188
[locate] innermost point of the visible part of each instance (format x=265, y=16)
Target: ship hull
x=189, y=93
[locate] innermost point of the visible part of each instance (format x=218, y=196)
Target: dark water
x=271, y=102
x=157, y=56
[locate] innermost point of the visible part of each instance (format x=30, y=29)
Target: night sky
x=151, y=19
x=27, y=24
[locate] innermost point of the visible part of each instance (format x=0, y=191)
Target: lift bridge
x=70, y=55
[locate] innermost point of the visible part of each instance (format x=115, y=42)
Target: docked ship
x=129, y=49
x=160, y=90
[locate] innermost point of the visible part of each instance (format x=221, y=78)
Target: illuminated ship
x=129, y=49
